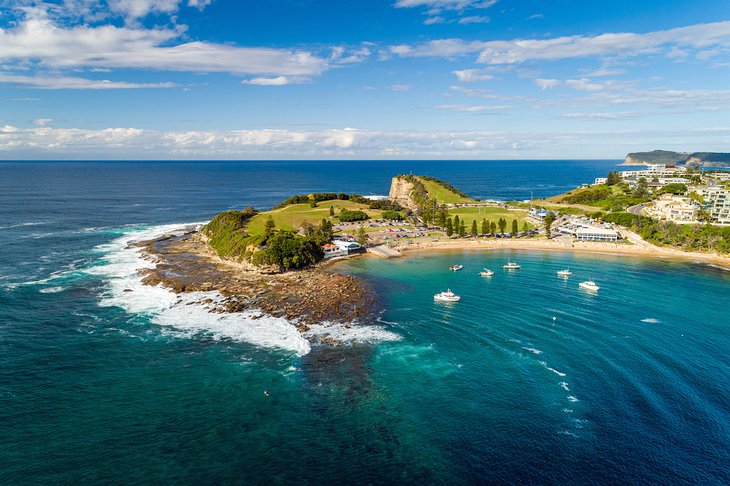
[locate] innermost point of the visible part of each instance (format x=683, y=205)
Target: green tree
x=485, y=226
x=457, y=224
x=515, y=228
x=312, y=203
x=502, y=225
x=642, y=188
x=492, y=227
x=614, y=177
x=525, y=228
x=675, y=188
x=269, y=227
x=442, y=216
x=326, y=230
x=549, y=220
x=362, y=237
x=449, y=227
x=332, y=210
x=462, y=229
x=474, y=228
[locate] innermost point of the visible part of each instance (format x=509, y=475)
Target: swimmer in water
x=266, y=393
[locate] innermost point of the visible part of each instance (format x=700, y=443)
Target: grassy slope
x=490, y=213
x=293, y=216
x=443, y=195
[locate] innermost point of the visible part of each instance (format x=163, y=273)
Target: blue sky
x=462, y=79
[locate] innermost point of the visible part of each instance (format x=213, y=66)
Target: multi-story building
x=717, y=203
x=679, y=209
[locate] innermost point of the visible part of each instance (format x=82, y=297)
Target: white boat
x=564, y=273
x=456, y=268
x=447, y=296
x=589, y=285
x=510, y=265
x=486, y=273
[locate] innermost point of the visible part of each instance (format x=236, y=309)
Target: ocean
x=527, y=380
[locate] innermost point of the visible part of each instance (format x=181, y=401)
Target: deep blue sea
x=527, y=380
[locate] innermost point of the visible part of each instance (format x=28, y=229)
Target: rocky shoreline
x=186, y=263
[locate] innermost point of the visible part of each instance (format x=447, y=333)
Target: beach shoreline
x=645, y=250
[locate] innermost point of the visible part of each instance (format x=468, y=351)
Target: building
x=339, y=248
x=582, y=229
x=539, y=213
x=717, y=203
x=600, y=180
x=679, y=209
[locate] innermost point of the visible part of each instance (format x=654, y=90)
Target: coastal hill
x=698, y=159
x=412, y=191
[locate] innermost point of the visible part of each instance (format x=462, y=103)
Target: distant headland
x=686, y=159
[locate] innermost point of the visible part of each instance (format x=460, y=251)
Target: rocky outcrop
x=400, y=192
x=696, y=159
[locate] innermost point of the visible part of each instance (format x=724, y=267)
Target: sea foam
x=186, y=312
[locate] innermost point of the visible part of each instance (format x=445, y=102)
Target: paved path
x=384, y=251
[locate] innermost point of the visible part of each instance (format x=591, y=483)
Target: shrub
x=347, y=215
x=394, y=215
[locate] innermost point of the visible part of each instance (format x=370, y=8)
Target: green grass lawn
x=443, y=195
x=492, y=214
x=293, y=216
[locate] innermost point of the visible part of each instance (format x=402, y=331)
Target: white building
x=600, y=180
x=585, y=231
x=679, y=209
x=717, y=203
x=339, y=248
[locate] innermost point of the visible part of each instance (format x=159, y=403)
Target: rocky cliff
x=400, y=192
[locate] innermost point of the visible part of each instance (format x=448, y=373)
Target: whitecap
x=51, y=290
x=532, y=350
x=351, y=333
x=559, y=373
x=564, y=385
x=651, y=320
x=571, y=398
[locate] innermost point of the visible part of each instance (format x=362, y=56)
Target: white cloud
x=584, y=84
x=134, y=143
x=476, y=92
x=135, y=9
x=42, y=122
x=545, y=84
x=37, y=39
x=276, y=81
x=61, y=82
x=446, y=4
x=602, y=116
x=400, y=87
x=473, y=108
x=472, y=75
x=199, y=4
x=474, y=19
x=697, y=37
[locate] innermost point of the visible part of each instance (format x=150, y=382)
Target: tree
x=614, y=177
x=269, y=227
x=325, y=228
x=449, y=227
x=485, y=226
x=312, y=203
x=502, y=225
x=457, y=224
x=492, y=227
x=442, y=216
x=675, y=188
x=642, y=188
x=362, y=237
x=474, y=228
x=332, y=210
x=549, y=220
x=515, y=228
x=525, y=229
x=462, y=229
x=308, y=229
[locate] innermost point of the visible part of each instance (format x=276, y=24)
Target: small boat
x=510, y=265
x=589, y=285
x=447, y=296
x=486, y=273
x=564, y=273
x=456, y=268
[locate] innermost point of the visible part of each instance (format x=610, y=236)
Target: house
x=600, y=180
x=582, y=229
x=539, y=213
x=679, y=209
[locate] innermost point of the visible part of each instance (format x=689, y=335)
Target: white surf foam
x=564, y=385
x=186, y=312
x=532, y=350
x=651, y=320
x=559, y=373
x=571, y=398
x=51, y=290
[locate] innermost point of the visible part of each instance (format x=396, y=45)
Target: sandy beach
x=634, y=247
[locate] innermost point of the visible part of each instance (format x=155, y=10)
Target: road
x=636, y=210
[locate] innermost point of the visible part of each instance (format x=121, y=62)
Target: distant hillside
x=419, y=192
x=698, y=159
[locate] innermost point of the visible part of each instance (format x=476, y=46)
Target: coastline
x=645, y=250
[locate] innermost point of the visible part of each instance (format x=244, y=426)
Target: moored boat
x=510, y=265
x=565, y=273
x=456, y=268
x=589, y=285
x=486, y=272
x=447, y=296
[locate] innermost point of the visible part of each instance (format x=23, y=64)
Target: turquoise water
x=99, y=385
